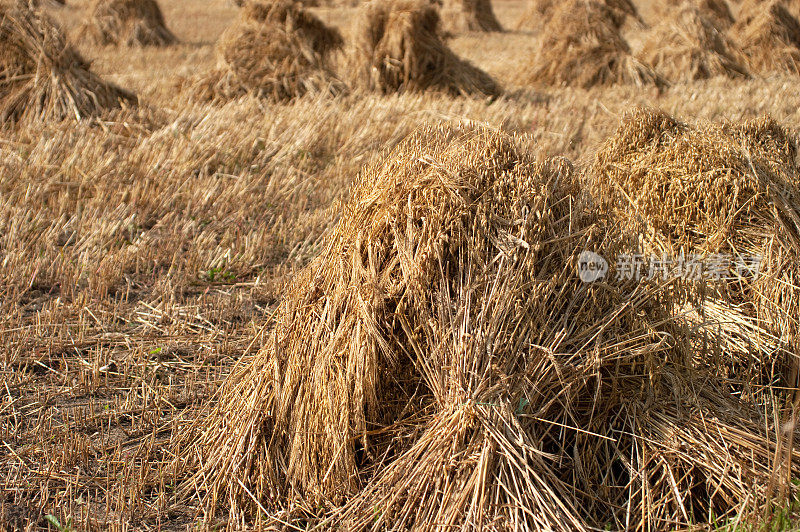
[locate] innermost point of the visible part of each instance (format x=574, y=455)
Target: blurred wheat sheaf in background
x=314, y=265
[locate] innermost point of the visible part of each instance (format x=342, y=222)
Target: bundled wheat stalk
x=769, y=36
x=540, y=12
x=687, y=46
x=536, y=15
x=718, y=189
x=314, y=36
x=469, y=15
x=440, y=364
x=581, y=46
x=278, y=50
x=718, y=12
x=792, y=5
x=310, y=3
x=34, y=4
x=128, y=23
x=749, y=8
x=398, y=47
x=333, y=3
x=44, y=78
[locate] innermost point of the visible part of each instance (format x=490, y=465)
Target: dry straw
x=687, y=46
x=441, y=365
x=33, y=4
x=398, y=47
x=128, y=23
x=718, y=12
x=718, y=189
x=539, y=13
x=309, y=3
x=42, y=77
x=278, y=50
x=769, y=35
x=581, y=46
x=459, y=16
x=333, y=3
x=314, y=36
x=749, y=7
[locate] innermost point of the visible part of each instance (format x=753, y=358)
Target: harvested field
x=368, y=303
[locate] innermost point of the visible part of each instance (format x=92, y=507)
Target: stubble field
x=142, y=254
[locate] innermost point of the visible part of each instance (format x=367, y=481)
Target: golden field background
x=142, y=255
